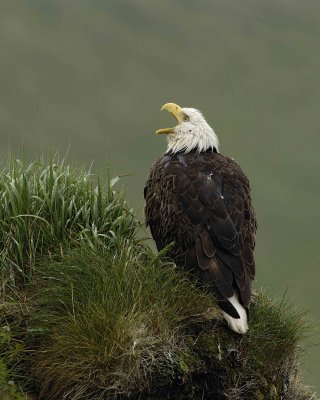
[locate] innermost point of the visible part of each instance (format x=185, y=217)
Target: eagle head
x=192, y=132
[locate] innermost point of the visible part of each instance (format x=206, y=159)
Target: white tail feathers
x=239, y=325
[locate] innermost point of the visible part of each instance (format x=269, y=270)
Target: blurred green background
x=88, y=78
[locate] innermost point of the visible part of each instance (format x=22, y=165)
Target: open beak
x=178, y=114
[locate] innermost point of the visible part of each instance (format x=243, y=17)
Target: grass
x=126, y=323
x=89, y=312
x=9, y=350
x=116, y=318
x=43, y=207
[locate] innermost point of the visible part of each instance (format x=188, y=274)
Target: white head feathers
x=192, y=133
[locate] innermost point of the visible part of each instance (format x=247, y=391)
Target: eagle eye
x=185, y=118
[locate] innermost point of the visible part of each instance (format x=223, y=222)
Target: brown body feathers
x=202, y=203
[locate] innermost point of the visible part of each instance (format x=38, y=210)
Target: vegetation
x=92, y=75
x=88, y=311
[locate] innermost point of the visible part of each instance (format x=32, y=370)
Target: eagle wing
x=213, y=225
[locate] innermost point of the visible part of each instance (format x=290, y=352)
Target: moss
x=273, y=393
x=8, y=389
x=258, y=395
x=11, y=364
x=267, y=393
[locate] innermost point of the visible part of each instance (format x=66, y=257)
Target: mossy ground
x=88, y=311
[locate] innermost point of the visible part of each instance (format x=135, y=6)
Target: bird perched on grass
x=200, y=200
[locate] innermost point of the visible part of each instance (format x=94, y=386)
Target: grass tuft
x=126, y=323
x=270, y=349
x=117, y=320
x=43, y=207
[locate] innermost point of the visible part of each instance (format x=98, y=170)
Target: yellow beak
x=176, y=111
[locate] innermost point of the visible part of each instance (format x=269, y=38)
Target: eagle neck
x=194, y=151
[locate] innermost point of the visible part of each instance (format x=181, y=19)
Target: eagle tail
x=238, y=325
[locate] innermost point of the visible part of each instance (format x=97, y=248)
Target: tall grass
x=43, y=207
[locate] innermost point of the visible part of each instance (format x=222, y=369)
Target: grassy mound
x=92, y=313
x=117, y=318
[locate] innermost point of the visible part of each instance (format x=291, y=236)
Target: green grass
x=117, y=318
x=9, y=350
x=44, y=206
x=120, y=324
x=88, y=311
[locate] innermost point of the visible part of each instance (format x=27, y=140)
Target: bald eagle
x=200, y=200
